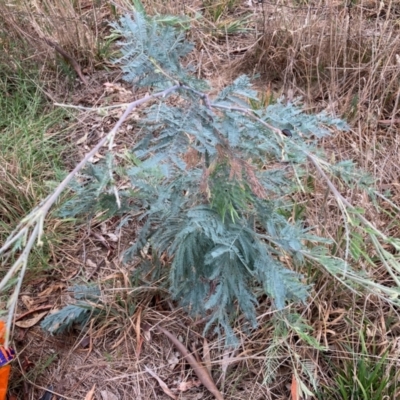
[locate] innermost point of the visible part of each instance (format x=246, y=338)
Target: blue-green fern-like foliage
x=77, y=313
x=213, y=180
x=151, y=52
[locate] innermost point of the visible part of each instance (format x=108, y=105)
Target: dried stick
x=68, y=58
x=199, y=369
x=30, y=228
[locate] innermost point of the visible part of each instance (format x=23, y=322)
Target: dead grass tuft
x=62, y=32
x=341, y=59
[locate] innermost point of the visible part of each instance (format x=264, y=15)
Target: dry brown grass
x=345, y=60
x=342, y=59
x=73, y=31
x=339, y=58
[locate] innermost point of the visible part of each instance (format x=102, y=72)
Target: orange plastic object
x=2, y=332
x=6, y=355
x=4, y=376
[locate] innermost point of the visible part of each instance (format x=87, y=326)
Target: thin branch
x=250, y=113
x=67, y=58
x=23, y=258
x=109, y=136
x=37, y=216
x=93, y=109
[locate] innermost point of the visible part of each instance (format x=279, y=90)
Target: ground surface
x=123, y=355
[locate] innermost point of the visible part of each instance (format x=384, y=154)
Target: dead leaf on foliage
x=33, y=311
x=106, y=395
x=27, y=300
x=113, y=237
x=83, y=138
x=90, y=263
x=90, y=393
x=28, y=323
x=184, y=386
x=162, y=384
x=52, y=288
